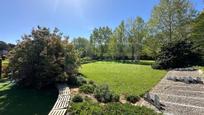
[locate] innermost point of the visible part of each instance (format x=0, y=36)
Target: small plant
x=115, y=98
x=87, y=88
x=133, y=98
x=126, y=109
x=81, y=81
x=90, y=108
x=85, y=108
x=77, y=99
x=103, y=94
x=77, y=81
x=91, y=82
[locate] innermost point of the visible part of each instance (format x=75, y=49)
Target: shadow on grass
x=20, y=101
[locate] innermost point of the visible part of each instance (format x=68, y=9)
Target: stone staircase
x=180, y=98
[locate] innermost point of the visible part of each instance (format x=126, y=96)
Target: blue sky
x=73, y=17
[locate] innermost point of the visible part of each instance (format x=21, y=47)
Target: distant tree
x=3, y=46
x=99, y=39
x=121, y=40
x=82, y=45
x=151, y=47
x=198, y=32
x=43, y=58
x=177, y=54
x=10, y=46
x=112, y=47
x=172, y=18
x=136, y=32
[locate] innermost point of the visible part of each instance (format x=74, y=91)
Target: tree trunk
x=133, y=53
x=102, y=51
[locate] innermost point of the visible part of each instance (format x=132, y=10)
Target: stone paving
x=181, y=98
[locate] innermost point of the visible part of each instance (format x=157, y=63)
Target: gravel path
x=180, y=98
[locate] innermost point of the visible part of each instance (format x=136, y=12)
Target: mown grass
x=20, y=101
x=123, y=78
x=202, y=68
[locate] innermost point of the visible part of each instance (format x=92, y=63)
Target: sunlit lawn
x=202, y=68
x=19, y=101
x=123, y=78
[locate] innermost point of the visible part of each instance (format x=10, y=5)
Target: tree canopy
x=43, y=58
x=198, y=32
x=82, y=45
x=177, y=54
x=171, y=17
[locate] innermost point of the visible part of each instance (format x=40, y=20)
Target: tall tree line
x=135, y=39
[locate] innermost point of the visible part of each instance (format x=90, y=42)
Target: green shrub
x=89, y=108
x=86, y=60
x=132, y=98
x=87, y=88
x=177, y=54
x=115, y=98
x=91, y=82
x=40, y=58
x=85, y=108
x=103, y=94
x=77, y=81
x=77, y=98
x=126, y=109
x=80, y=81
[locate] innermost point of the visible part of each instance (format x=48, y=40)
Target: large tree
x=171, y=17
x=82, y=45
x=112, y=47
x=43, y=58
x=151, y=47
x=99, y=39
x=198, y=32
x=121, y=40
x=136, y=32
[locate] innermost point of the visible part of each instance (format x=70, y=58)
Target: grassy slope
x=123, y=78
x=18, y=101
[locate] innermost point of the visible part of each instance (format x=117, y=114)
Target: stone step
x=185, y=88
x=180, y=93
x=173, y=83
x=184, y=73
x=182, y=109
x=191, y=101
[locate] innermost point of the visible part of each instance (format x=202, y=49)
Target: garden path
x=62, y=103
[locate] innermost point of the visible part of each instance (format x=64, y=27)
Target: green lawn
x=123, y=78
x=202, y=68
x=19, y=101
x=199, y=67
